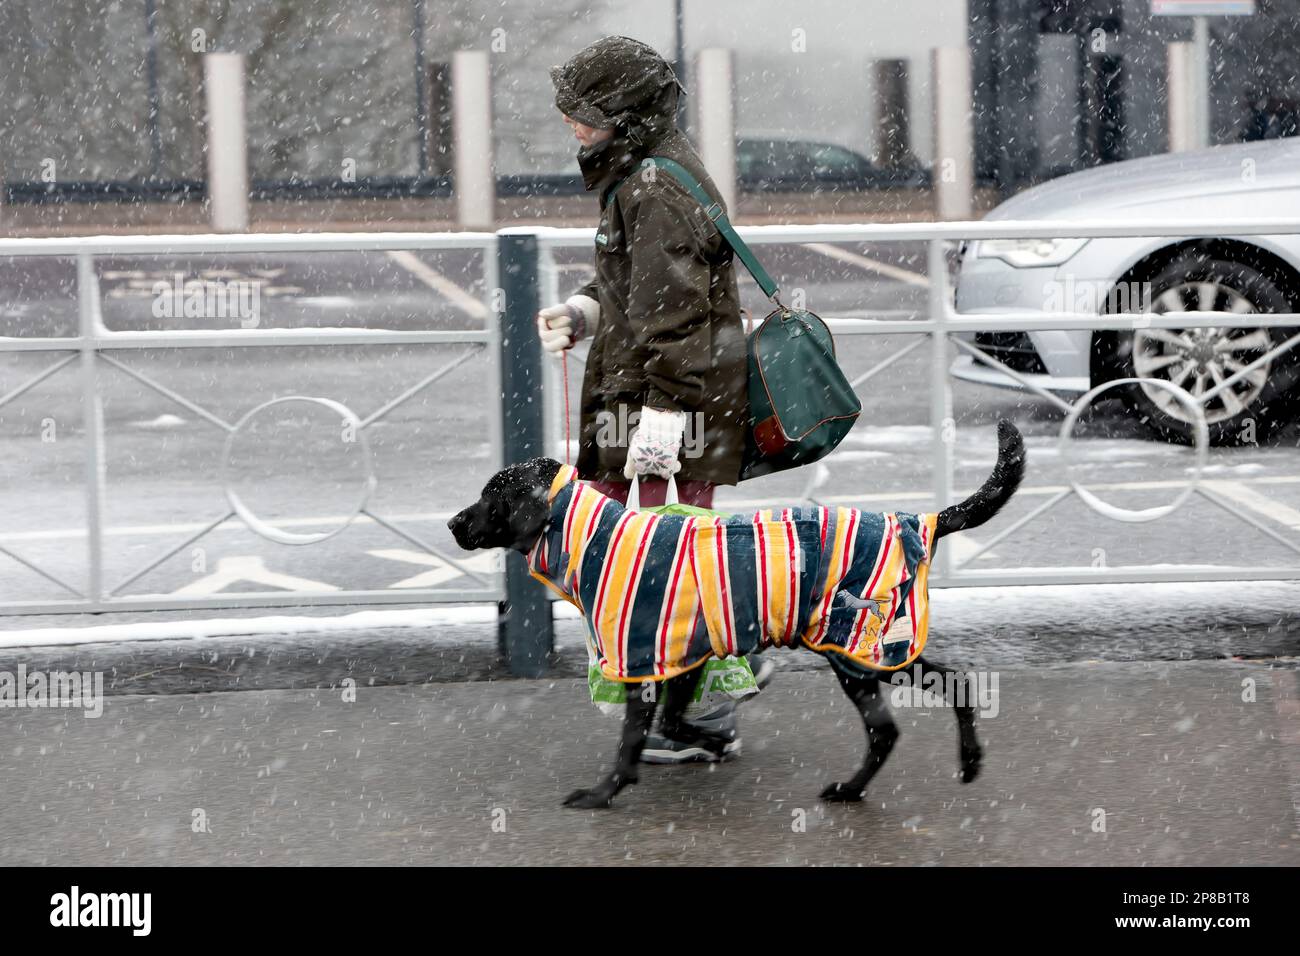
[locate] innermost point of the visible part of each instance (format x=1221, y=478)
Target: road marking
x=439, y=283
x=441, y=570
x=963, y=547
x=249, y=567
x=1252, y=499
x=871, y=265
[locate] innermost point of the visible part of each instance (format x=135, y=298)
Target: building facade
x=345, y=98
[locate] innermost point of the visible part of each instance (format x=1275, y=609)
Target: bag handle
x=634, y=493
x=717, y=216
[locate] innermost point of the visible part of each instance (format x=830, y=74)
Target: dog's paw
x=588, y=800
x=717, y=746
x=970, y=763
x=839, y=793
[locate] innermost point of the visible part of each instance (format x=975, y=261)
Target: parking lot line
x=870, y=265
x=1274, y=510
x=439, y=283
x=251, y=568
x=440, y=571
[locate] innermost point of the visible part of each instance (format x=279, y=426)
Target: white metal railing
x=942, y=322
x=94, y=344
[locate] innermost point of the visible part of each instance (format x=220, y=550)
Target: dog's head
x=512, y=509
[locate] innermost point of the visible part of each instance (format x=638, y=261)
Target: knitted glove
x=655, y=444
x=560, y=326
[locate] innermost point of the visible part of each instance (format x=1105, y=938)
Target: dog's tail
x=996, y=490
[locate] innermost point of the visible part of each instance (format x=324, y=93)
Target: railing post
x=92, y=415
x=942, y=426
x=524, y=630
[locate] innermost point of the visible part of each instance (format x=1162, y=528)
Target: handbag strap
x=717, y=215
x=634, y=493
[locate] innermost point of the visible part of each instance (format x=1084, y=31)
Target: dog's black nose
x=458, y=524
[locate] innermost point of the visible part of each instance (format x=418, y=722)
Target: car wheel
x=1200, y=359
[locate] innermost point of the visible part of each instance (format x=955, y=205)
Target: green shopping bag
x=727, y=678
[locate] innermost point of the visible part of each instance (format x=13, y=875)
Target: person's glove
x=655, y=444
x=560, y=326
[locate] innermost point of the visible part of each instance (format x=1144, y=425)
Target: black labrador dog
x=513, y=511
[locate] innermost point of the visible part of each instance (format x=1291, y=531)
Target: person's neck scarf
x=603, y=163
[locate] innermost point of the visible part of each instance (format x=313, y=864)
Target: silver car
x=1245, y=274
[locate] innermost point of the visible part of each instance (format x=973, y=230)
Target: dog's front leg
x=641, y=702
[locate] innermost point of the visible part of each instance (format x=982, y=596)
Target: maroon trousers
x=654, y=490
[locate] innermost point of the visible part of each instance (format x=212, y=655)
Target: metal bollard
x=223, y=89
x=474, y=183
x=893, y=132
x=953, y=174
x=716, y=120
x=525, y=634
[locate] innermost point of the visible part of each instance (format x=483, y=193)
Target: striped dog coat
x=663, y=593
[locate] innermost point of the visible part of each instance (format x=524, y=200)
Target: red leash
x=564, y=371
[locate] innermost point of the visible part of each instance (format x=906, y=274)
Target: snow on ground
x=1233, y=471
x=273, y=624
x=863, y=455
x=890, y=436
x=162, y=421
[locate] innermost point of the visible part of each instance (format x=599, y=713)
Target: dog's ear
x=530, y=507
x=540, y=472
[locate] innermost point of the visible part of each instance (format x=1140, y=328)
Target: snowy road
x=1184, y=770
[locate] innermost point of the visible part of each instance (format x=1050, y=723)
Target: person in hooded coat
x=668, y=344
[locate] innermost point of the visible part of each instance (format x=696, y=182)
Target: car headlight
x=1028, y=253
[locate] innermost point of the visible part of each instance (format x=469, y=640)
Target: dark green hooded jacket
x=670, y=332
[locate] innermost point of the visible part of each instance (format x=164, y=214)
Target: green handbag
x=800, y=403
